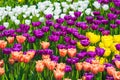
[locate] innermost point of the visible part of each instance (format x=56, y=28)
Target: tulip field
x=60, y=40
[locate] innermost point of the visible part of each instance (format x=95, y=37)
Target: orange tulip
x=67, y=79
x=3, y=44
x=1, y=63
x=62, y=52
x=2, y=71
x=86, y=66
x=117, y=63
x=83, y=78
x=16, y=55
x=45, y=45
x=116, y=75
x=58, y=74
x=26, y=59
x=11, y=61
x=101, y=68
x=78, y=66
x=30, y=53
x=110, y=71
x=51, y=65
x=94, y=68
x=72, y=52
x=39, y=66
x=45, y=61
x=20, y=39
x=61, y=66
x=46, y=56
x=10, y=39
x=95, y=62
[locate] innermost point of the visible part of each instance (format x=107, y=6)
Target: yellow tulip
x=79, y=45
x=93, y=37
x=116, y=52
x=107, y=52
x=103, y=60
x=107, y=40
x=101, y=45
x=91, y=48
x=21, y=1
x=116, y=38
x=112, y=47
x=97, y=57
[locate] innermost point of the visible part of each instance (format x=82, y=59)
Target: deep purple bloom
x=77, y=14
x=99, y=51
x=6, y=50
x=113, y=26
x=67, y=17
x=109, y=77
x=48, y=16
x=31, y=39
x=56, y=25
x=54, y=38
x=117, y=47
x=58, y=33
x=96, y=13
x=38, y=33
x=49, y=23
x=70, y=46
x=45, y=29
x=112, y=9
x=68, y=60
x=26, y=35
x=61, y=46
x=54, y=58
x=101, y=29
x=70, y=22
x=60, y=20
x=36, y=24
x=73, y=42
x=91, y=53
x=104, y=21
x=97, y=22
x=100, y=18
x=2, y=27
x=94, y=27
x=89, y=60
x=89, y=76
x=17, y=47
x=105, y=32
x=117, y=22
x=112, y=16
x=81, y=55
x=18, y=30
x=89, y=19
x=85, y=42
x=8, y=32
x=67, y=39
x=68, y=68
x=48, y=51
x=24, y=28
x=63, y=28
x=74, y=18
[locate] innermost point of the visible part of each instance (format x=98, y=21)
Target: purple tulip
x=77, y=14
x=6, y=50
x=91, y=53
x=85, y=42
x=105, y=32
x=70, y=22
x=89, y=76
x=109, y=77
x=48, y=16
x=36, y=24
x=117, y=47
x=54, y=38
x=45, y=29
x=113, y=26
x=117, y=22
x=56, y=26
x=101, y=29
x=38, y=33
x=67, y=17
x=96, y=13
x=99, y=51
x=2, y=27
x=94, y=27
x=60, y=20
x=31, y=39
x=112, y=16
x=68, y=68
x=104, y=21
x=17, y=47
x=89, y=19
x=49, y=23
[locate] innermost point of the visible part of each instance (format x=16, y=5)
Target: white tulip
x=17, y=22
x=56, y=16
x=6, y=24
x=42, y=19
x=28, y=22
x=69, y=0
x=96, y=5
x=31, y=17
x=88, y=11
x=105, y=7
x=62, y=15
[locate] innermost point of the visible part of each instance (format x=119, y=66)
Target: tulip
x=86, y=66
x=2, y=71
x=39, y=66
x=72, y=52
x=58, y=74
x=21, y=39
x=3, y=44
x=10, y=39
x=51, y=65
x=117, y=63
x=1, y=63
x=110, y=71
x=78, y=66
x=61, y=66
x=117, y=75
x=45, y=45
x=11, y=61
x=62, y=52
x=46, y=56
